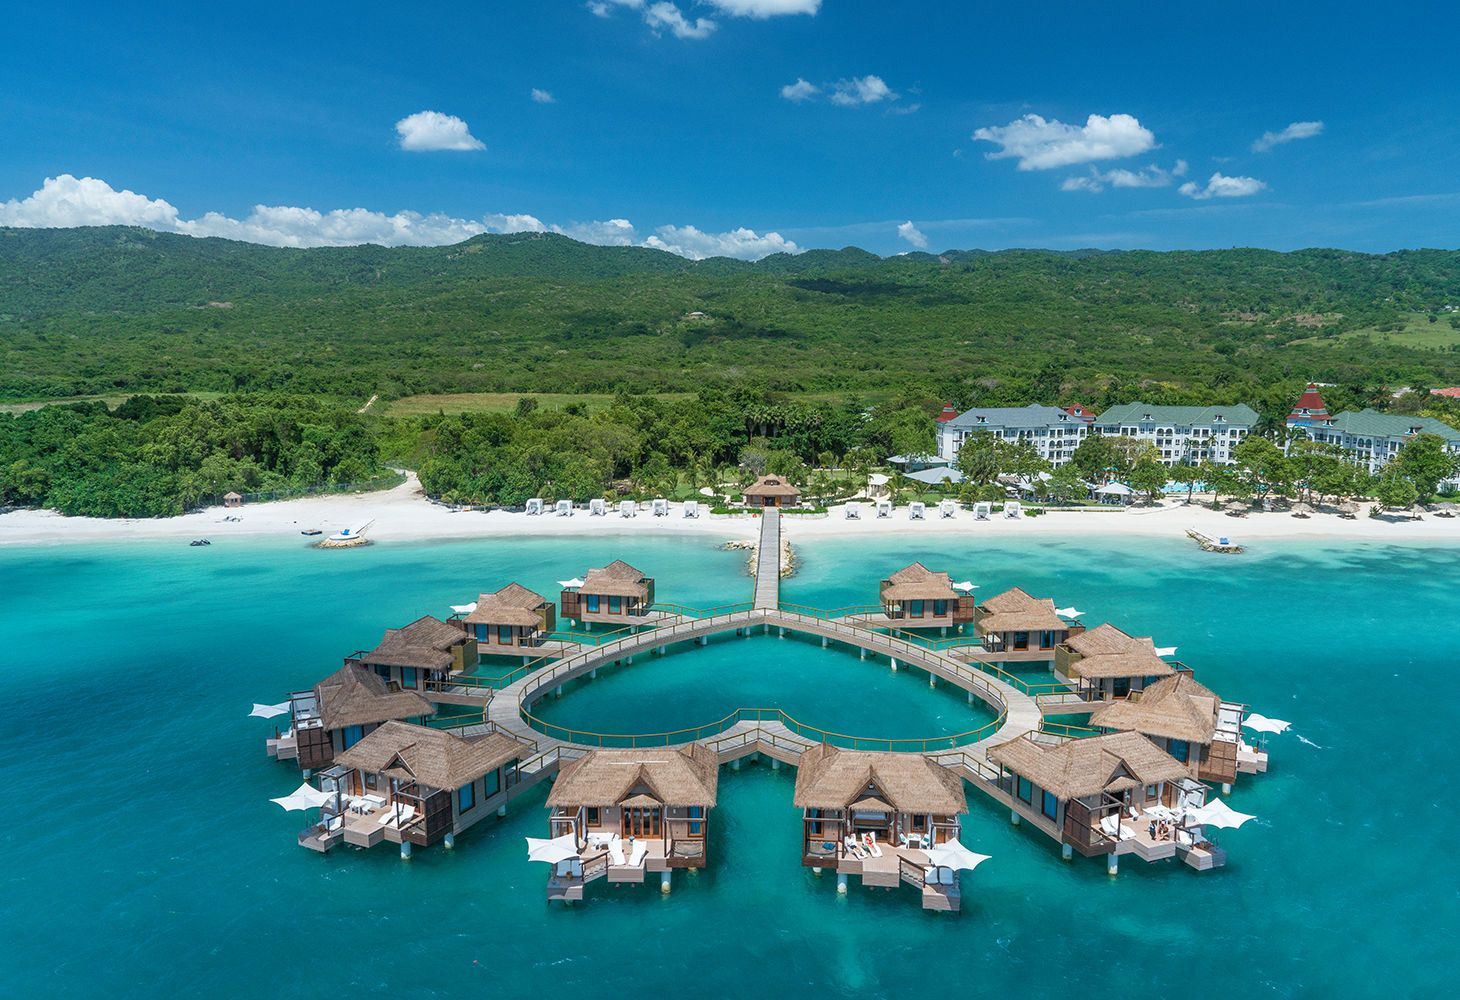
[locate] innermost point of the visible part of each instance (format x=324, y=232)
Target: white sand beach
x=404, y=514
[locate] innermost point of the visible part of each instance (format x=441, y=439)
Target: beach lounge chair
x=641, y=848
x=627, y=508
x=853, y=512
x=1110, y=825
x=616, y=851
x=982, y=510
x=853, y=848
x=691, y=508
x=916, y=510
x=869, y=841
x=597, y=507
x=660, y=507
x=563, y=508
x=534, y=506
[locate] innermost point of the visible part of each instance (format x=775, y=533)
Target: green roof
x=1238, y=414
x=1372, y=423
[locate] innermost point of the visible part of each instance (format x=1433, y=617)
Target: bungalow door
x=645, y=823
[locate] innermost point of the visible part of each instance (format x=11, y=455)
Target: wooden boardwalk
x=768, y=560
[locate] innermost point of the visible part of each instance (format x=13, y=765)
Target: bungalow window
x=1151, y=791
x=1026, y=789
x=483, y=633
x=1180, y=749
x=1046, y=640
x=591, y=603
x=919, y=822
x=492, y=783
x=940, y=608
x=1121, y=687
x=1021, y=640
x=915, y=609
x=407, y=677
x=696, y=824
x=593, y=816
x=615, y=605
x=382, y=672
x=371, y=781
x=352, y=735
x=466, y=797
x=1049, y=805
x=504, y=634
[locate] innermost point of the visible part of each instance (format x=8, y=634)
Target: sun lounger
x=869, y=841
x=641, y=848
x=1110, y=826
x=616, y=851
x=854, y=848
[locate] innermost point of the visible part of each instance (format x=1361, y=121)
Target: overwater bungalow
x=1105, y=663
x=428, y=649
x=1016, y=626
x=874, y=814
x=511, y=620
x=917, y=597
x=632, y=812
x=413, y=786
x=1108, y=795
x=772, y=491
x=1189, y=722
x=617, y=593
x=339, y=712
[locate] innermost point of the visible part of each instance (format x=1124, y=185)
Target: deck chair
x=616, y=851
x=641, y=848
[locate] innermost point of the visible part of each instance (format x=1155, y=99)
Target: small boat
x=199, y=541
x=311, y=532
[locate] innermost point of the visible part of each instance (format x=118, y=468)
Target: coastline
x=403, y=514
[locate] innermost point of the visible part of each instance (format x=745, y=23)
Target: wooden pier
x=768, y=560
x=1210, y=544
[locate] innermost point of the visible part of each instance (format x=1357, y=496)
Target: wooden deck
x=768, y=560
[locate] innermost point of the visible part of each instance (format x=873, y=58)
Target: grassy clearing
x=111, y=401
x=496, y=402
x=1415, y=330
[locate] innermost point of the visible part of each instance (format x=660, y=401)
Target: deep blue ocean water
x=142, y=857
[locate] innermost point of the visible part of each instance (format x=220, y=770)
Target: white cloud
x=1147, y=177
x=1180, y=169
x=1043, y=144
x=861, y=90
x=1297, y=130
x=427, y=131
x=912, y=234
x=765, y=8
x=1219, y=185
x=668, y=17
x=600, y=8
x=801, y=90
x=543, y=96
x=67, y=201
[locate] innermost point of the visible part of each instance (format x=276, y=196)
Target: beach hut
x=917, y=597
x=659, y=507
x=876, y=814
x=417, y=787
x=616, y=593
x=563, y=508
x=534, y=506
x=1016, y=626
x=627, y=508
x=947, y=508
x=852, y=512
x=916, y=510
x=231, y=499
x=1013, y=509
x=771, y=491
x=982, y=510
x=631, y=812
x=884, y=508
x=1105, y=663
x=691, y=508
x=1185, y=719
x=422, y=654
x=511, y=620
x=338, y=712
x=1301, y=509
x=1106, y=795
x=597, y=507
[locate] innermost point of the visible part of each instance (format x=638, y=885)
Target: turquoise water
x=143, y=858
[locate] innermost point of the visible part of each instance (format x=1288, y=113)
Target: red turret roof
x=949, y=412
x=1082, y=412
x=1310, y=405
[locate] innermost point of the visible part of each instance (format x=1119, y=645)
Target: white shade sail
x=1262, y=724
x=954, y=855
x=1217, y=813
x=1165, y=650
x=268, y=711
x=965, y=586
x=552, y=851
x=464, y=609
x=306, y=796
x=1070, y=612
x=575, y=582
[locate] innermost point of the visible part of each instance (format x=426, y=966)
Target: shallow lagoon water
x=143, y=858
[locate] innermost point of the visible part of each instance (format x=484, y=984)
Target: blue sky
x=741, y=126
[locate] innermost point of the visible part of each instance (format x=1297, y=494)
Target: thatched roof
x=918, y=583
x=431, y=757
x=356, y=696
x=514, y=604
x=682, y=776
x=231, y=495
x=1076, y=768
x=425, y=643
x=771, y=486
x=617, y=579
x=1301, y=509
x=828, y=777
x=1015, y=611
x=1237, y=507
x=1106, y=651
x=1175, y=707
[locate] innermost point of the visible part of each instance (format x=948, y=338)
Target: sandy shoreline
x=404, y=514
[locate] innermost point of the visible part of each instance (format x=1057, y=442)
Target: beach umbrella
x=1236, y=507
x=268, y=711
x=305, y=796
x=1218, y=814
x=552, y=851
x=575, y=582
x=954, y=855
x=1070, y=612
x=1262, y=724
x=965, y=586
x=464, y=609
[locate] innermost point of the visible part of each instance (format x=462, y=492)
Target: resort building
x=1187, y=721
x=339, y=712
x=1370, y=439
x=1104, y=663
x=917, y=597
x=1018, y=626
x=1106, y=795
x=1181, y=435
x=231, y=499
x=510, y=620
x=1053, y=433
x=617, y=593
x=426, y=650
x=632, y=812
x=771, y=491
x=875, y=814
x=413, y=786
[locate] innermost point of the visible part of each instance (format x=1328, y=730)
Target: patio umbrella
x=305, y=796
x=552, y=851
x=575, y=582
x=268, y=711
x=1217, y=813
x=1262, y=724
x=954, y=855
x=965, y=586
x=1070, y=612
x=464, y=609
